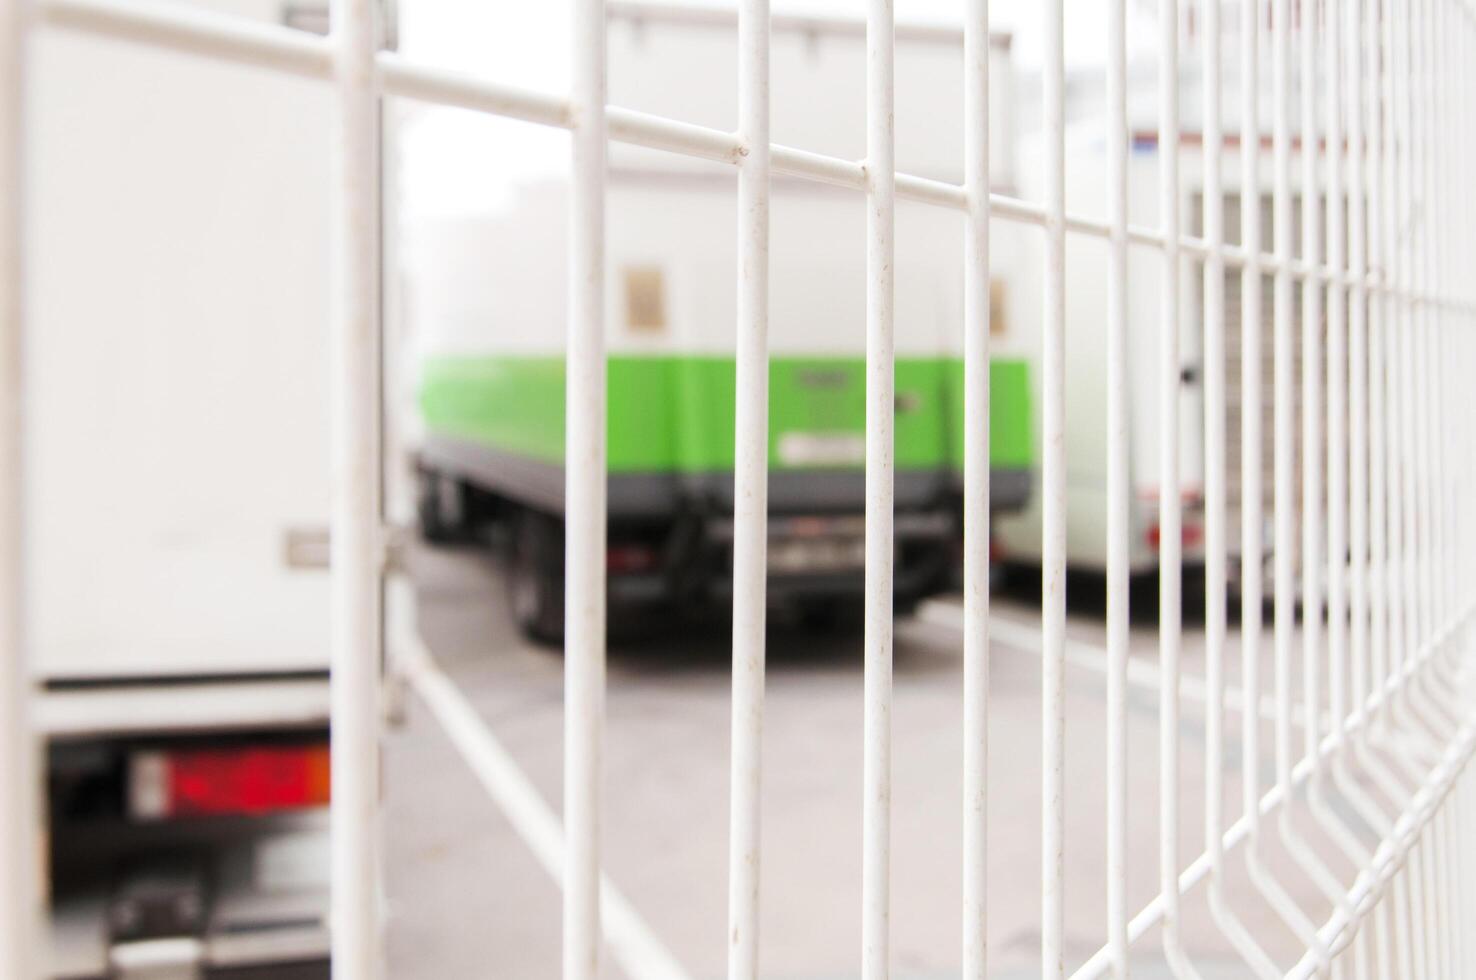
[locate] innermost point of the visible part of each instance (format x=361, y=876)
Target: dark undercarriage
x=670, y=538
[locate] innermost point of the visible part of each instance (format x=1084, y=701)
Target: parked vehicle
x=489, y=311
x=177, y=452
x=1019, y=534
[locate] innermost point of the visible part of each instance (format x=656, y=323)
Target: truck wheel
x=820, y=615
x=535, y=577
x=439, y=504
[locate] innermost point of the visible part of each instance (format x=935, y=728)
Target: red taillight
x=1190, y=535
x=1193, y=535
x=245, y=781
x=630, y=558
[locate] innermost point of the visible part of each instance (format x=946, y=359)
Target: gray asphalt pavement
x=467, y=899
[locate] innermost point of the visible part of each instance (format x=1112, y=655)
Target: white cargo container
x=177, y=487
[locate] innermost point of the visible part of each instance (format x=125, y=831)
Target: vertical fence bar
x=355, y=456
x=1251, y=470
x=1347, y=427
x=1424, y=387
x=1214, y=440
x=1401, y=897
x=20, y=826
x=750, y=491
x=1283, y=516
x=1380, y=235
x=1409, y=462
x=1466, y=252
x=1402, y=398
x=976, y=327
x=1389, y=944
x=1311, y=400
x=1214, y=446
x=1312, y=406
x=584, y=500
x=1337, y=405
x=1419, y=865
x=1453, y=123
x=1336, y=461
x=1053, y=480
x=1450, y=354
x=881, y=169
x=1357, y=352
x=1283, y=392
x=1357, y=348
x=1251, y=494
x=1119, y=490
x=1442, y=84
x=1447, y=353
x=1215, y=516
x=1461, y=255
x=1170, y=503
x=1435, y=151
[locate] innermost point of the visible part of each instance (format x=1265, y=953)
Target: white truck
x=1019, y=535
x=487, y=304
x=177, y=491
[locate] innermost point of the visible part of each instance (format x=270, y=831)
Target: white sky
x=457, y=162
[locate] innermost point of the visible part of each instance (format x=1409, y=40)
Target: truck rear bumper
x=250, y=932
x=810, y=556
x=540, y=484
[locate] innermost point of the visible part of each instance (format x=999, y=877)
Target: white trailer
x=177, y=450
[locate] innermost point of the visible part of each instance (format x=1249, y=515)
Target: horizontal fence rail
x=1369, y=342
x=296, y=53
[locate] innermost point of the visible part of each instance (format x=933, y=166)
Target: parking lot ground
x=467, y=898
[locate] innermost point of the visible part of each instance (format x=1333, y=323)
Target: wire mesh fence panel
x=1331, y=454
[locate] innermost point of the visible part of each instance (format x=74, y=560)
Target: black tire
x=439, y=523
x=535, y=577
x=833, y=615
x=1194, y=593
x=821, y=616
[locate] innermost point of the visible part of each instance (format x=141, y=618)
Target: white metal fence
x=1384, y=123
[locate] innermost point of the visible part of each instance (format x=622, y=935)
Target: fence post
x=1053, y=490
x=881, y=187
x=355, y=471
x=750, y=491
x=584, y=500
x=976, y=329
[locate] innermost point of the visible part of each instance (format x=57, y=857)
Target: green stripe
x=676, y=413
x=1010, y=425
